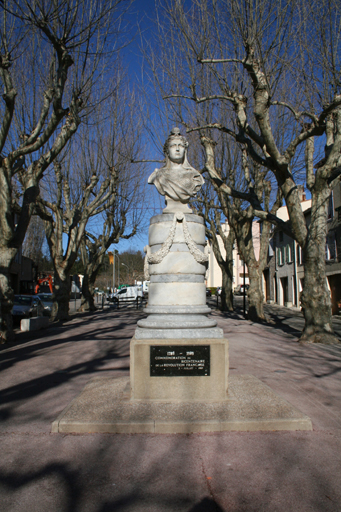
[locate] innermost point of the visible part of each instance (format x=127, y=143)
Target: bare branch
x=220, y=61
x=296, y=114
x=309, y=162
x=217, y=126
x=9, y=98
x=200, y=100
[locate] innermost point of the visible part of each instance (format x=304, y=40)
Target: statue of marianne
x=177, y=179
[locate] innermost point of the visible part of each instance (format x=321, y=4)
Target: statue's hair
x=174, y=134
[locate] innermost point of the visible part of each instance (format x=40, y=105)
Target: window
x=331, y=207
x=280, y=253
x=17, y=258
x=289, y=253
x=299, y=255
x=331, y=247
x=271, y=248
x=283, y=255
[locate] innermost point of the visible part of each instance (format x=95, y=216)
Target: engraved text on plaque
x=180, y=360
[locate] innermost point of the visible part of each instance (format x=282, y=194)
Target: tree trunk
x=225, y=264
x=226, y=290
x=60, y=309
x=6, y=295
x=255, y=295
x=315, y=298
x=316, y=303
x=88, y=290
x=245, y=240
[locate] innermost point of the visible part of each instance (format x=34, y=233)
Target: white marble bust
x=177, y=179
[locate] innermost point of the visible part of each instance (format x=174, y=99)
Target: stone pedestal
x=177, y=291
x=191, y=361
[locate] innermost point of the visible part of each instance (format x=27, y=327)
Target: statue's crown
x=175, y=131
x=175, y=134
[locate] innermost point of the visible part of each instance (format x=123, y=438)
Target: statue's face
x=176, y=151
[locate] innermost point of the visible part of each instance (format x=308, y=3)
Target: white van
x=127, y=294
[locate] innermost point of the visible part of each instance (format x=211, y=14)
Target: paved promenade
x=230, y=472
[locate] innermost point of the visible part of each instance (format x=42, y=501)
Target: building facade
x=214, y=278
x=283, y=276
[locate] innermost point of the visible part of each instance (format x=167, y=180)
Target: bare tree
x=214, y=229
x=66, y=215
x=93, y=252
x=119, y=149
x=267, y=61
x=241, y=219
x=51, y=57
x=98, y=179
x=131, y=266
x=221, y=238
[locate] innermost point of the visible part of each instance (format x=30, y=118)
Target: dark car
x=208, y=292
x=46, y=299
x=26, y=306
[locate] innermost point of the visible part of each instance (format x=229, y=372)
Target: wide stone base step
x=104, y=406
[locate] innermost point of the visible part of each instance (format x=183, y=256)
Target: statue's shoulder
x=153, y=175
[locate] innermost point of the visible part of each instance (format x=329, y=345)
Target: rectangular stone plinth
x=34, y=324
x=212, y=387
x=104, y=406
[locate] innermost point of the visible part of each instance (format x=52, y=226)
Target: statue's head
x=175, y=148
x=177, y=179
x=174, y=135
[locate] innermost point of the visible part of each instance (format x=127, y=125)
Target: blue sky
x=142, y=13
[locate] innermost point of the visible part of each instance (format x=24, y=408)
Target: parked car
x=26, y=306
x=239, y=290
x=46, y=299
x=218, y=290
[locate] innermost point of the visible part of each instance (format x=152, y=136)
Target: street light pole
x=127, y=268
x=114, y=255
x=244, y=299
x=113, y=272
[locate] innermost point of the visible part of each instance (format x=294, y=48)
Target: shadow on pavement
x=248, y=472
x=206, y=505
x=289, y=321
x=214, y=472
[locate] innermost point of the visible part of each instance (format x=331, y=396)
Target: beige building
x=214, y=272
